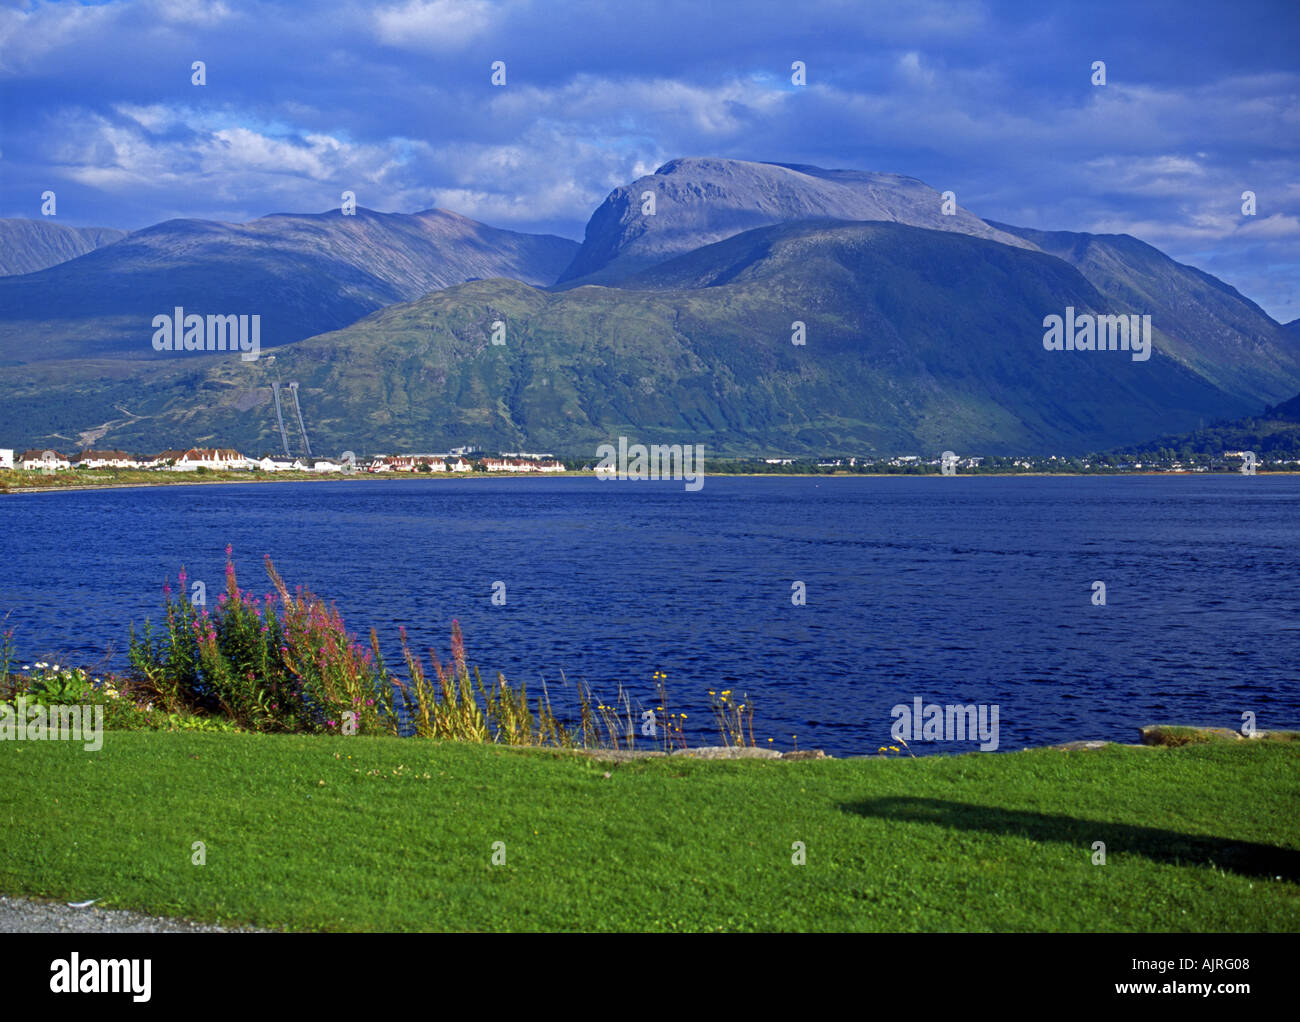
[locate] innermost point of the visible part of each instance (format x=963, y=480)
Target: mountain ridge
x=29, y=245
x=302, y=273
x=1207, y=321
x=893, y=362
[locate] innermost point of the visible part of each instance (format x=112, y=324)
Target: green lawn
x=1196, y=836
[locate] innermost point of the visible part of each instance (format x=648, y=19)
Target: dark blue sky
x=393, y=101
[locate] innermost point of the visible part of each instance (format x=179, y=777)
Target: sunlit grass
x=328, y=832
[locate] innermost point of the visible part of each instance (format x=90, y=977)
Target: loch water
x=957, y=590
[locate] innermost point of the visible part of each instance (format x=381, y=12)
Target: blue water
x=956, y=590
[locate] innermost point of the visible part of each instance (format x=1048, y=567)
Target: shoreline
x=12, y=490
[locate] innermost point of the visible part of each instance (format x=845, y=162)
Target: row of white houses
x=453, y=463
x=193, y=458
x=187, y=460
x=416, y=463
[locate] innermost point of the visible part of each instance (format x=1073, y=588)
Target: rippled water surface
x=970, y=590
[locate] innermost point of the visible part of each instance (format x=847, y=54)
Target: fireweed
x=286, y=662
x=280, y=662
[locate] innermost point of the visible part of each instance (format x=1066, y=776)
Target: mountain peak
x=703, y=200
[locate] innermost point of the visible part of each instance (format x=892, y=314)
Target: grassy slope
x=987, y=842
x=72, y=479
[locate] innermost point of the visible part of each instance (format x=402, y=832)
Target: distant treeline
x=1093, y=465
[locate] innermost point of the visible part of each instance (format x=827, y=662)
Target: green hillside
x=916, y=340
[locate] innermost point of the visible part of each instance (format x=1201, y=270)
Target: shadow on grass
x=1246, y=858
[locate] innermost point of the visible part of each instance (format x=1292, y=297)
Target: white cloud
x=436, y=26
x=190, y=12
x=154, y=117
x=667, y=107
x=27, y=36
x=909, y=65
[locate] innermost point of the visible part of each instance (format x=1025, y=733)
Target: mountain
x=1285, y=411
x=917, y=340
x=303, y=274
x=30, y=245
x=702, y=201
x=920, y=337
x=1208, y=325
x=1273, y=434
x=1205, y=324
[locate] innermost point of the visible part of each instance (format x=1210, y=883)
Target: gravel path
x=22, y=915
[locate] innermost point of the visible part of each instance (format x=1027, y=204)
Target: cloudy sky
x=394, y=101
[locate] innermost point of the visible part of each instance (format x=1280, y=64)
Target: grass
x=339, y=833
x=17, y=480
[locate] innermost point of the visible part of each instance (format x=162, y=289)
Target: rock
x=727, y=752
x=1076, y=746
x=619, y=755
x=703, y=752
x=1173, y=735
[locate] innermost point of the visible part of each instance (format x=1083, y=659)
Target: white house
x=105, y=459
x=34, y=460
x=269, y=463
x=393, y=463
x=210, y=458
x=521, y=465
x=6, y=457
x=412, y=463
x=164, y=458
